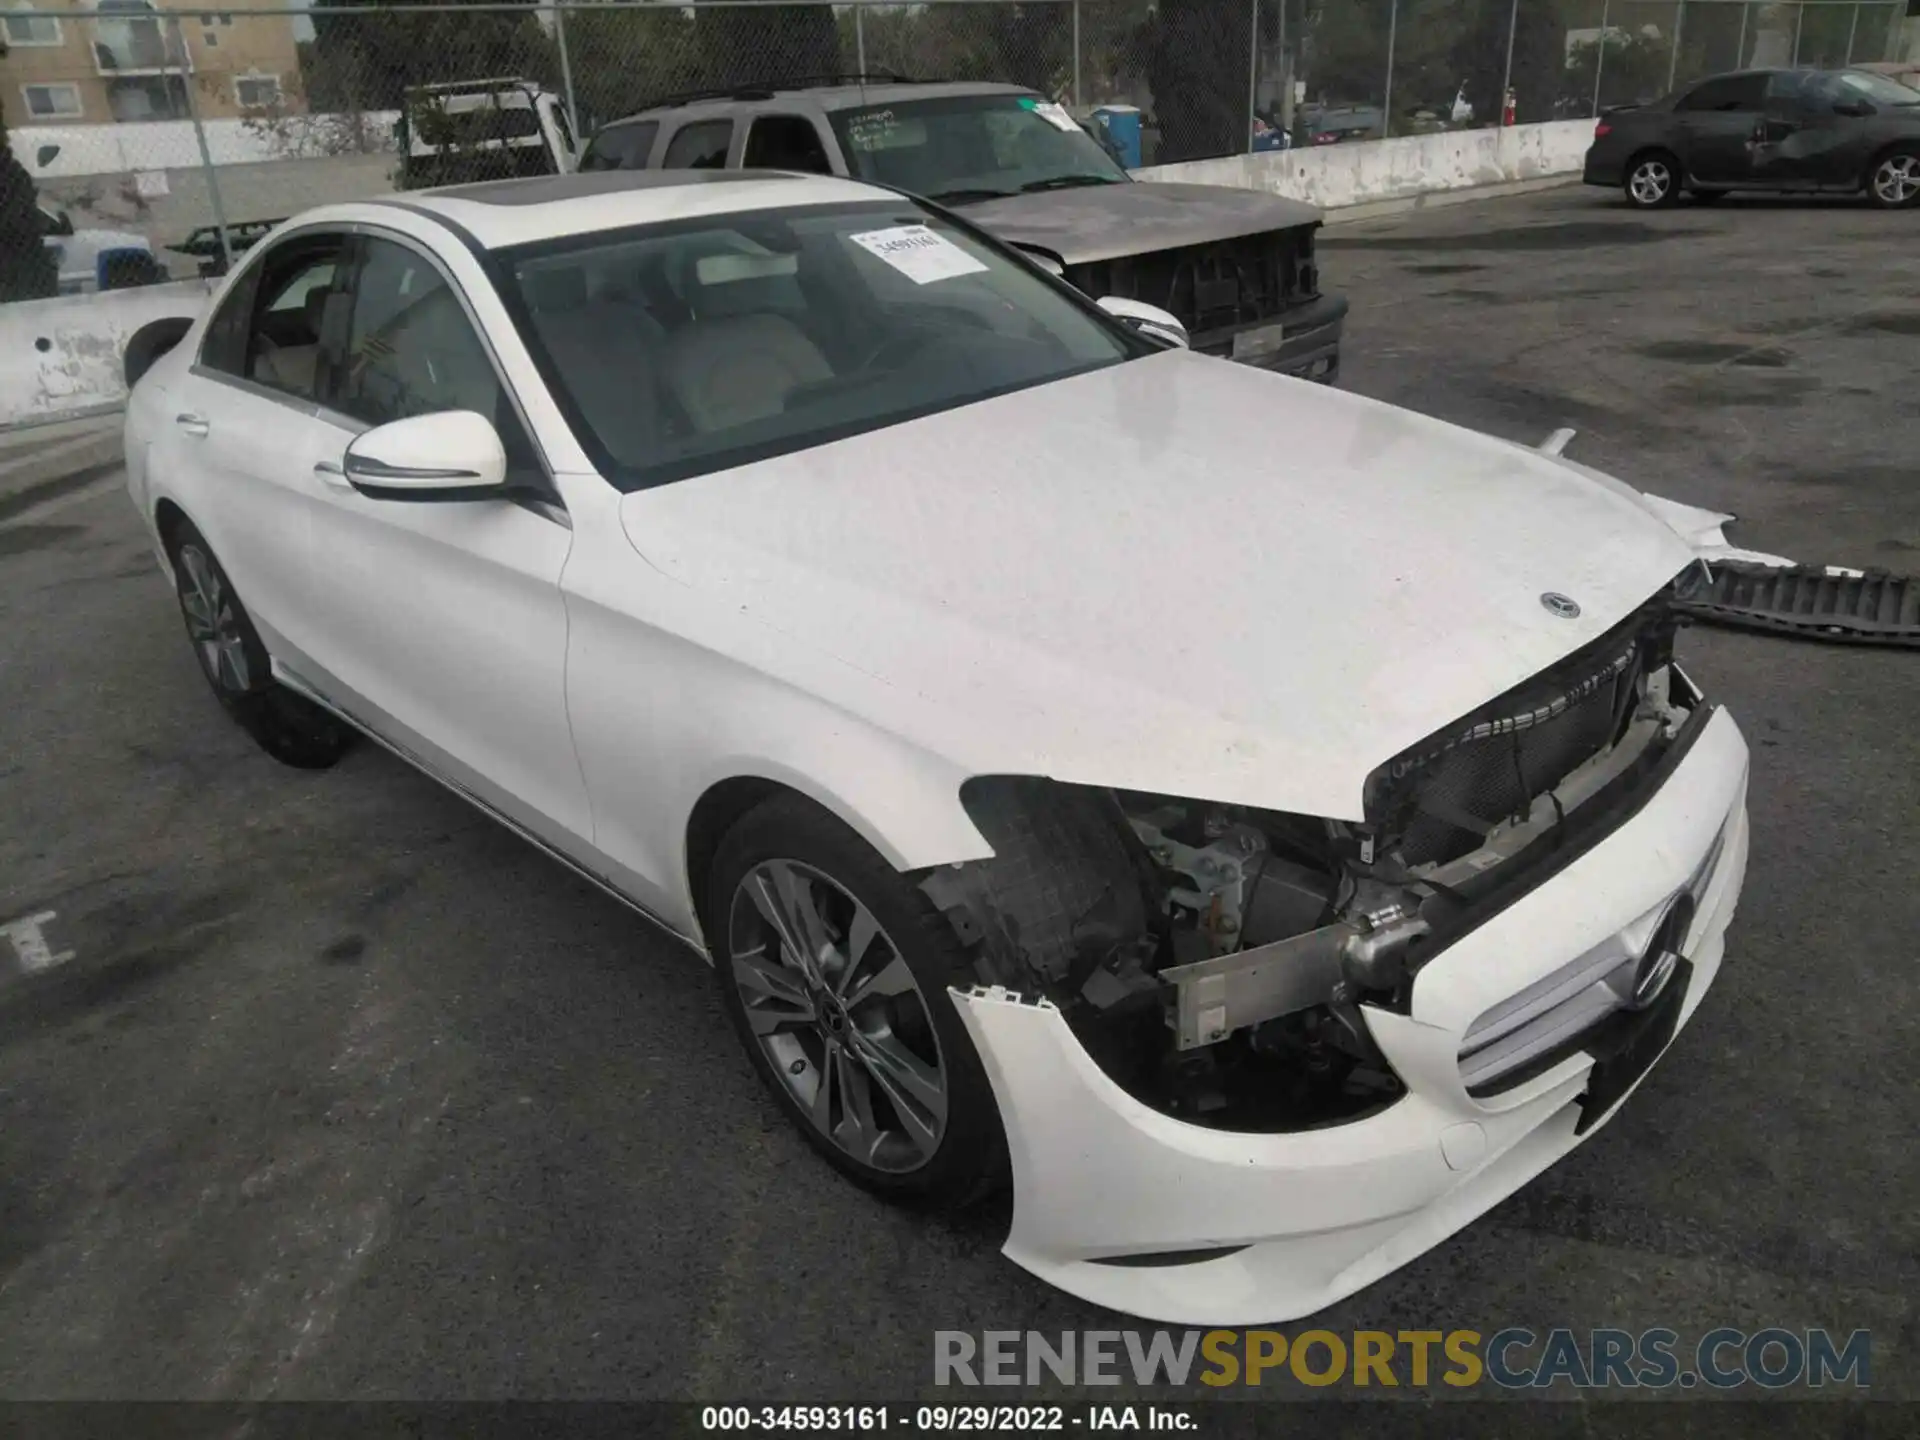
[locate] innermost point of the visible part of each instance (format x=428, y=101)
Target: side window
x=785, y=142
x=1784, y=89
x=699, y=146
x=270, y=327
x=1731, y=92
x=1820, y=90
x=224, y=347
x=410, y=348
x=621, y=147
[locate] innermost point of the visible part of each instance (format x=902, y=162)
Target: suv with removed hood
x=1236, y=267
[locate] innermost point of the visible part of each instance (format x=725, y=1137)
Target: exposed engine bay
x=1214, y=959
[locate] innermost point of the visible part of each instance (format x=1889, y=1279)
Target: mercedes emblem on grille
x=1663, y=957
x=1652, y=977
x=1562, y=606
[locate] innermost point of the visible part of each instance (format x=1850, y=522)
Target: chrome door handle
x=333, y=473
x=192, y=424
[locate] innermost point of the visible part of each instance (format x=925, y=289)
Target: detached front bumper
x=1297, y=1221
x=1303, y=341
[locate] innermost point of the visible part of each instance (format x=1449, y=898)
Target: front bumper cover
x=1309, y=1218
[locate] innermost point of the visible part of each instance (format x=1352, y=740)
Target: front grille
x=1439, y=800
x=1530, y=1032
x=1215, y=286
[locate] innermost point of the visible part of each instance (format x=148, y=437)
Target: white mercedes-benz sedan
x=1263, y=826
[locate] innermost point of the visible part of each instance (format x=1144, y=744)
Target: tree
x=1634, y=69
x=624, y=58
x=1029, y=45
x=1197, y=57
x=27, y=268
x=370, y=58
x=745, y=44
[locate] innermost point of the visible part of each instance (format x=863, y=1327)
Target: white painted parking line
x=28, y=937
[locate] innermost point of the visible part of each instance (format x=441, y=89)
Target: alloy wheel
x=838, y=1014
x=1651, y=181
x=1896, y=180
x=211, y=623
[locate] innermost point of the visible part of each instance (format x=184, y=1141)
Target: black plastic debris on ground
x=1873, y=608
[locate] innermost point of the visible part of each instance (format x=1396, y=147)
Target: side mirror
x=46, y=155
x=454, y=455
x=1149, y=320
x=1854, y=108
x=1045, y=261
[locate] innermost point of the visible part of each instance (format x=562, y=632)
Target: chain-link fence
x=148, y=140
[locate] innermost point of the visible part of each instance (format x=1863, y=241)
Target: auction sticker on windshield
x=917, y=253
x=1055, y=116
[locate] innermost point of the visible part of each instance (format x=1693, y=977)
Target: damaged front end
x=1215, y=960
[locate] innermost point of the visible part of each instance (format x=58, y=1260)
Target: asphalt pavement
x=320, y=1085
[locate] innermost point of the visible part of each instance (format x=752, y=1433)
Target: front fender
x=670, y=696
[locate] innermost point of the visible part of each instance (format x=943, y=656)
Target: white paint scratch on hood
x=1177, y=575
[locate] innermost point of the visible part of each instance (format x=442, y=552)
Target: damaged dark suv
x=1235, y=267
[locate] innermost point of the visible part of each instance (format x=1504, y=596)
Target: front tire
x=1653, y=180
x=1894, y=182
x=834, y=969
x=289, y=727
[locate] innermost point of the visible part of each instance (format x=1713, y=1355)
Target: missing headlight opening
x=1216, y=960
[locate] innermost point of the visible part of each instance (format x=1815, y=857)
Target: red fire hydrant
x=1509, y=114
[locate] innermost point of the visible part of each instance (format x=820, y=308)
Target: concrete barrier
x=1365, y=172
x=172, y=144
x=61, y=358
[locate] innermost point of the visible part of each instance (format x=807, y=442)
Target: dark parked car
x=1236, y=267
x=1841, y=131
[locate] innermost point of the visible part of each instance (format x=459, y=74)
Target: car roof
x=820, y=97
x=499, y=213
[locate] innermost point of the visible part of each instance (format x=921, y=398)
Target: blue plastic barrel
x=117, y=267
x=1120, y=128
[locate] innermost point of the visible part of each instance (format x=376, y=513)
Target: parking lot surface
x=342, y=1091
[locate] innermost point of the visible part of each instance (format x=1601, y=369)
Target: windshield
x=958, y=149
x=686, y=348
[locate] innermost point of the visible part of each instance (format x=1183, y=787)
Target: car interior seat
x=611, y=351
x=292, y=367
x=743, y=352
x=735, y=369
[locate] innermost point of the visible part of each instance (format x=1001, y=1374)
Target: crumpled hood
x=1177, y=575
x=1100, y=222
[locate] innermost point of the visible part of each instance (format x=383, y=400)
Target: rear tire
x=289, y=727
x=907, y=1112
x=1894, y=181
x=1653, y=180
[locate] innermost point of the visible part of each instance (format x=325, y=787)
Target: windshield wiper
x=1067, y=182
x=962, y=196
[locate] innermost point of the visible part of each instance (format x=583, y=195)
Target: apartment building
x=126, y=61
